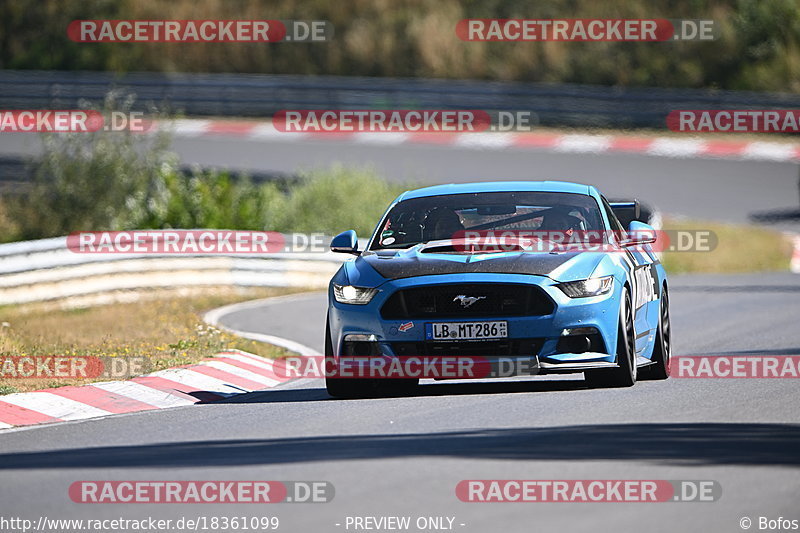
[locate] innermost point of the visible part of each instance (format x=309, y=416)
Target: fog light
x=361, y=345
x=360, y=337
x=580, y=340
x=574, y=344
x=578, y=331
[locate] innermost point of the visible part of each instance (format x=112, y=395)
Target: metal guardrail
x=262, y=95
x=43, y=270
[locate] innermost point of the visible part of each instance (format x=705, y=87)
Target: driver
x=441, y=223
x=559, y=220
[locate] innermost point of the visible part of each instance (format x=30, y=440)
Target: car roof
x=498, y=186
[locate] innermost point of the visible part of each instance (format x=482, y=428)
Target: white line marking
x=675, y=147
x=188, y=127
x=381, y=137
x=288, y=344
x=54, y=406
x=143, y=393
x=213, y=317
x=583, y=143
x=770, y=151
x=492, y=141
x=3, y=425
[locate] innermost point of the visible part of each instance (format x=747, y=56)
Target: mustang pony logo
x=467, y=301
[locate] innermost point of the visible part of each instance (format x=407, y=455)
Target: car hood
x=399, y=264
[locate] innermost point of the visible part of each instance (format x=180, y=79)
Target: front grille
x=502, y=347
x=450, y=301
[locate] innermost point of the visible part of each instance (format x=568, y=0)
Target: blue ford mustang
x=417, y=290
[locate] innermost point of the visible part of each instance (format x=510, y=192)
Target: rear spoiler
x=625, y=206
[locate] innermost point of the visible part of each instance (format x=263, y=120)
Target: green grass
x=740, y=249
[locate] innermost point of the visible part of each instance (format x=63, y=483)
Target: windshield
x=434, y=218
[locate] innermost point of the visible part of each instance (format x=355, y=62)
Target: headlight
x=347, y=294
x=587, y=287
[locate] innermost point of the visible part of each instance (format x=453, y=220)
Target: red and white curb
x=693, y=147
x=227, y=374
x=794, y=266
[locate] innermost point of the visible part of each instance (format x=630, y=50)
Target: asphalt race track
x=404, y=456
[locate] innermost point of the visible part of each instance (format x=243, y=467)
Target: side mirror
x=345, y=243
x=639, y=233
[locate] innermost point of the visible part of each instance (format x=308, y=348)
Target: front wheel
x=341, y=387
x=625, y=373
x=663, y=348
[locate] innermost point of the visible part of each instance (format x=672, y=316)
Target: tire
x=626, y=372
x=357, y=387
x=662, y=351
x=339, y=387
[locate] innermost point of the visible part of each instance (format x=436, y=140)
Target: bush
x=203, y=199
x=334, y=200
x=327, y=201
x=89, y=181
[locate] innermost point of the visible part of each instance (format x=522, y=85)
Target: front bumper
x=537, y=343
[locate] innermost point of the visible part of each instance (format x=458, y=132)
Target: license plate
x=455, y=331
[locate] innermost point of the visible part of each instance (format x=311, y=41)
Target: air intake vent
x=468, y=300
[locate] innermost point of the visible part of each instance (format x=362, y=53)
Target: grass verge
x=155, y=333
x=739, y=249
